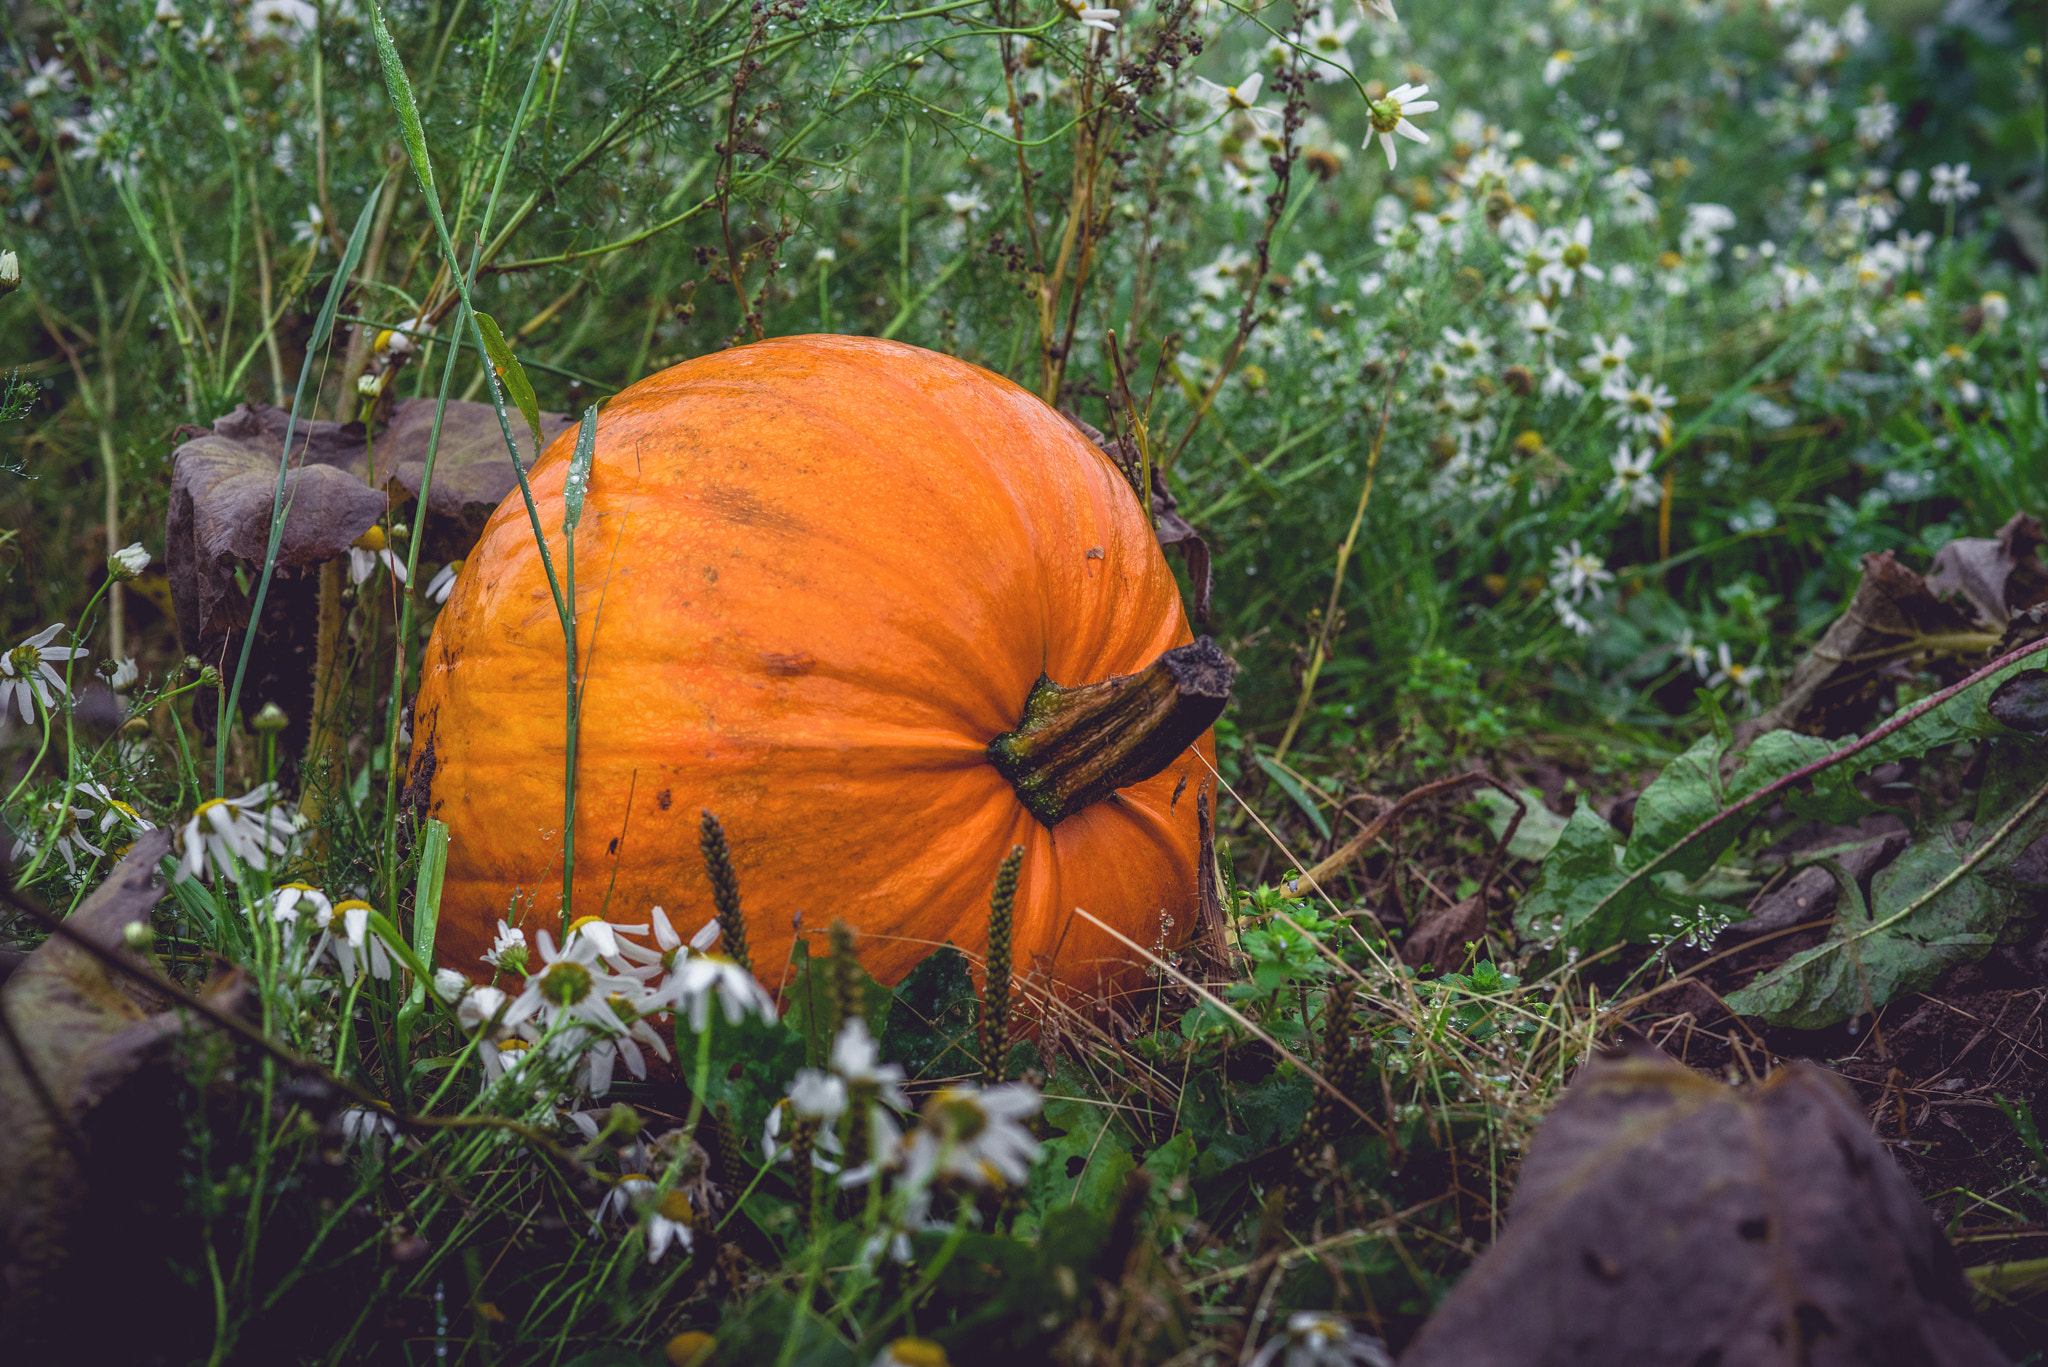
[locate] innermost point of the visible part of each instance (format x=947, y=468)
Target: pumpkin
x=820, y=583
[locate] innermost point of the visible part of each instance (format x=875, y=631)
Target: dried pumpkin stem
x=725, y=892
x=1076, y=746
x=995, y=1010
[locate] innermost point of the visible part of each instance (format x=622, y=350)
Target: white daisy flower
x=1951, y=184
x=665, y=1215
x=1643, y=409
x=1691, y=653
x=1087, y=16
x=1390, y=118
x=815, y=1094
x=293, y=899
x=1633, y=483
x=1876, y=121
x=1574, y=258
x=1608, y=358
x=65, y=832
x=1541, y=324
x=1241, y=98
x=508, y=950
x=443, y=582
x=354, y=948
x=857, y=1058
x=700, y=978
x=1740, y=677
x=1316, y=1338
x=367, y=1125
x=1578, y=573
x=966, y=204
x=128, y=562
x=974, y=1135
x=1559, y=65
x=774, y=1149
x=369, y=550
x=122, y=676
x=1559, y=384
x=27, y=675
x=1533, y=262
x=480, y=1007
x=253, y=829
x=572, y=983
x=47, y=78
x=1327, y=39
x=311, y=229
x=288, y=20
x=605, y=935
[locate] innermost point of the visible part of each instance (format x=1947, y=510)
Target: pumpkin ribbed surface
x=815, y=577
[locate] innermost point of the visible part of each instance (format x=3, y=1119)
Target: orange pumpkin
x=816, y=577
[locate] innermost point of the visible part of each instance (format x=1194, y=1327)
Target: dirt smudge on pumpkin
x=745, y=508
x=664, y=799
x=788, y=666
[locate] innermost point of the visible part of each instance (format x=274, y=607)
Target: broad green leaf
x=1679, y=799
x=930, y=1029
x=807, y=1003
x=1581, y=870
x=1943, y=902
x=1966, y=716
x=1290, y=786
x=520, y=389
x=1083, y=1168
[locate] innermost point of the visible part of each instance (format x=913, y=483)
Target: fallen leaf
x=88, y=1033
x=1946, y=900
x=1894, y=620
x=1998, y=575
x=223, y=484
x=1443, y=935
x=1664, y=1220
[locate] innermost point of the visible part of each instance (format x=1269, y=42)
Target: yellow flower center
x=372, y=540
x=565, y=983
x=1574, y=256
x=917, y=1353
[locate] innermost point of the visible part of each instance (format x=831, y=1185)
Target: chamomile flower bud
x=128, y=562
x=449, y=985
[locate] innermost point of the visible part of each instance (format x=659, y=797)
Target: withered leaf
x=1664, y=1220
x=87, y=1032
x=222, y=487
x=1893, y=621
x=472, y=473
x=1998, y=575
x=1443, y=933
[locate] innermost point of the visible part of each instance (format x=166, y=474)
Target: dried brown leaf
x=86, y=1032
x=1893, y=619
x=1664, y=1220
x=223, y=484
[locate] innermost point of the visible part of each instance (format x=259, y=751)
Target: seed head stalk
x=995, y=1011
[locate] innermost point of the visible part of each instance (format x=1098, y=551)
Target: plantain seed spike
x=847, y=996
x=995, y=1014
x=725, y=892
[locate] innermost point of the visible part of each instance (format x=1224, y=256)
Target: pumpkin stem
x=1076, y=746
